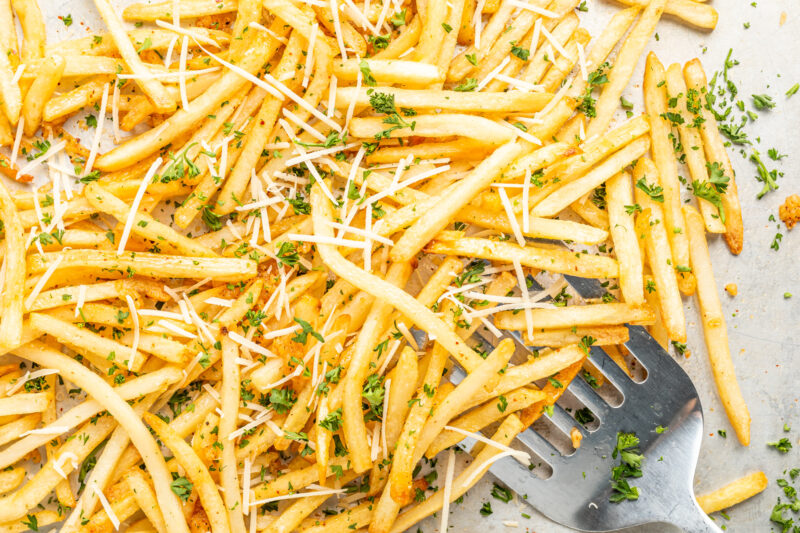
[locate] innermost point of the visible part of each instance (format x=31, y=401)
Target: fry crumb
x=732, y=289
x=576, y=436
x=790, y=211
x=783, y=18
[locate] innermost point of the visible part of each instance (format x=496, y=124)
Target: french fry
x=8, y=34
x=619, y=196
x=11, y=479
x=103, y=352
x=658, y=253
x=540, y=228
x=716, y=154
x=103, y=471
x=33, y=30
x=140, y=487
x=734, y=492
x=579, y=161
x=655, y=100
x=9, y=91
x=122, y=412
x=690, y=136
x=23, y=404
x=153, y=88
x=623, y=66
x=186, y=9
x=605, y=42
x=556, y=338
x=470, y=126
x=610, y=314
x=389, y=71
x=408, y=37
x=354, y=430
x=79, y=97
x=716, y=333
x=13, y=282
x=434, y=221
x=102, y=44
x=657, y=329
x=181, y=121
x=504, y=434
x=146, y=264
x=695, y=13
x=460, y=66
x=196, y=471
x=482, y=416
x=551, y=260
x=465, y=102
x=12, y=430
x=79, y=66
x=144, y=225
x=230, y=409
x=566, y=194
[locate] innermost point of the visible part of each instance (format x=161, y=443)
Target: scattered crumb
x=790, y=211
x=783, y=18
x=732, y=289
x=576, y=436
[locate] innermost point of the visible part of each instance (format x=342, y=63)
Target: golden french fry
x=444, y=125
x=695, y=13
x=509, y=102
x=387, y=71
x=658, y=252
x=186, y=9
x=555, y=338
x=716, y=154
x=552, y=260
x=715, y=330
x=734, y=492
x=11, y=302
x=655, y=100
x=151, y=141
x=579, y=315
x=9, y=91
x=153, y=88
x=690, y=136
x=434, y=221
x=621, y=210
x=143, y=224
x=89, y=381
x=196, y=471
x=146, y=264
x=623, y=66
x=33, y=29
x=565, y=195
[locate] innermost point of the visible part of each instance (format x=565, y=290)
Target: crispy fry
x=655, y=100
x=715, y=329
x=734, y=492
x=658, y=254
x=716, y=154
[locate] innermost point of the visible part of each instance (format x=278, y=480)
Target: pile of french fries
x=338, y=178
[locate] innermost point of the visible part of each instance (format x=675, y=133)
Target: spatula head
x=574, y=487
x=665, y=414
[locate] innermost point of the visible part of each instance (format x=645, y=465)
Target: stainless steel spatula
x=577, y=493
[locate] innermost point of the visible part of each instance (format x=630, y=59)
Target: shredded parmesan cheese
x=41, y=283
x=98, y=132
x=123, y=240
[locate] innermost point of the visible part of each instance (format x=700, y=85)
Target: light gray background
x=763, y=326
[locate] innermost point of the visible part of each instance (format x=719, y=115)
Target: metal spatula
x=577, y=494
